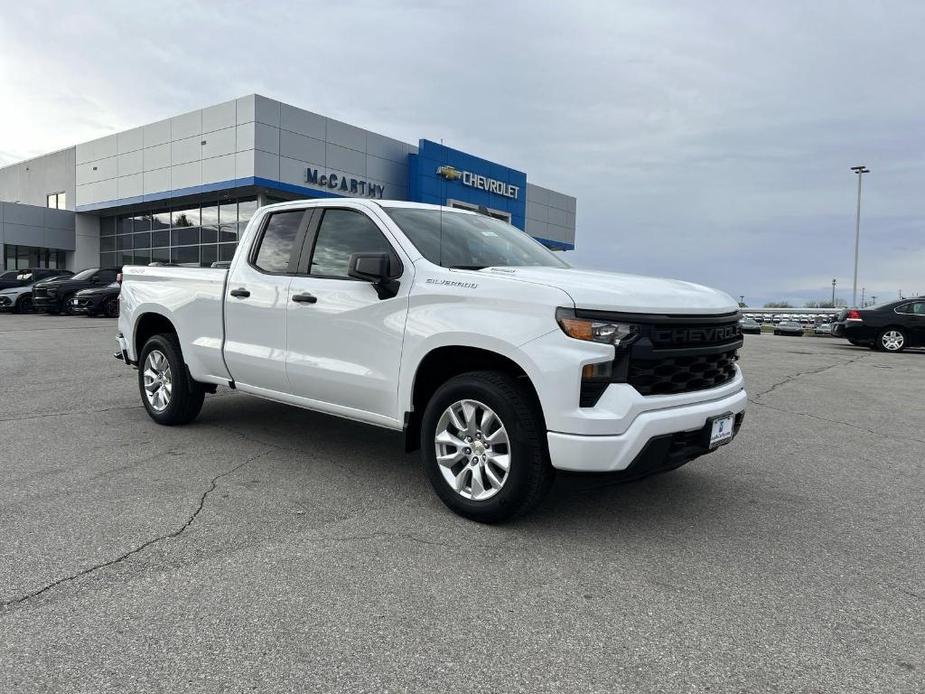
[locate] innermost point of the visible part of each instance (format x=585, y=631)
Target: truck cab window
x=278, y=238
x=342, y=233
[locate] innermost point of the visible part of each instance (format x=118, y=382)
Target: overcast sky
x=705, y=141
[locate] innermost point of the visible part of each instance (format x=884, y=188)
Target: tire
x=66, y=306
x=23, y=305
x=181, y=401
x=892, y=340
x=111, y=309
x=529, y=476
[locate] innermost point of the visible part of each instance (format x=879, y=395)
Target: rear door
x=256, y=299
x=345, y=342
x=913, y=318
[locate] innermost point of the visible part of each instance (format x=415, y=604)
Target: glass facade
x=199, y=234
x=19, y=257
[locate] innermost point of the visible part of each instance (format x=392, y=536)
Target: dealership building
x=182, y=189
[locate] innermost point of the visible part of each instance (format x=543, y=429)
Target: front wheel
x=483, y=447
x=892, y=340
x=23, y=305
x=168, y=395
x=112, y=308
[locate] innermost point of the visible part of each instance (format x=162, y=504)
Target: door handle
x=305, y=298
x=240, y=293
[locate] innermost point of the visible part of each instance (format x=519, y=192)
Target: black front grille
x=667, y=375
x=669, y=354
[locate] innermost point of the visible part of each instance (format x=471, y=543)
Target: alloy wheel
x=892, y=340
x=158, y=380
x=473, y=450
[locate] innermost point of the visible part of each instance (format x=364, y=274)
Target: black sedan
x=97, y=301
x=889, y=327
x=788, y=327
x=750, y=325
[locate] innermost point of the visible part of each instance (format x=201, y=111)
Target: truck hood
x=613, y=291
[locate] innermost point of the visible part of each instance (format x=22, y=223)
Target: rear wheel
x=169, y=396
x=482, y=443
x=892, y=340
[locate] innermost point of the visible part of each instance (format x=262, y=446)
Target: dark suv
x=53, y=297
x=890, y=327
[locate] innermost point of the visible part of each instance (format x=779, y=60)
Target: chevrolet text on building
x=359, y=314
x=490, y=185
x=349, y=186
x=180, y=190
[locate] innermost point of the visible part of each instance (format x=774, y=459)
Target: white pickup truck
x=499, y=360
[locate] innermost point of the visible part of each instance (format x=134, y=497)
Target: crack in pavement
x=6, y=605
x=793, y=377
x=838, y=421
x=29, y=417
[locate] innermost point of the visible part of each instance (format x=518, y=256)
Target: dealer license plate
x=721, y=430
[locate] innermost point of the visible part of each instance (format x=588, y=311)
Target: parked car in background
x=8, y=279
x=54, y=297
x=890, y=327
x=788, y=327
x=823, y=329
x=97, y=301
x=18, y=298
x=750, y=325
x=29, y=275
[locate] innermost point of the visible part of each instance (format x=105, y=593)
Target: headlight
x=591, y=330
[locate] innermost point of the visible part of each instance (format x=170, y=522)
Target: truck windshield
x=470, y=241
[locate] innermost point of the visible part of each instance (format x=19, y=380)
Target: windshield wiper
x=467, y=267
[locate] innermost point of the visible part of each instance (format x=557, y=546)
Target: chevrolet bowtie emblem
x=448, y=172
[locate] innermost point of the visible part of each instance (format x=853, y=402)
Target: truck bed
x=191, y=298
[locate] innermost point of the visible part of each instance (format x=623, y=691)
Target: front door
x=344, y=345
x=256, y=302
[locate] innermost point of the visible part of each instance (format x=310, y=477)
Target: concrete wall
x=32, y=225
x=248, y=137
x=30, y=181
x=550, y=215
x=87, y=251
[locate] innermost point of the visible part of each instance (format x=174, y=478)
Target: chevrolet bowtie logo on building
x=448, y=172
x=467, y=178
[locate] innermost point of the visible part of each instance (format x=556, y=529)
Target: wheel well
x=148, y=325
x=442, y=364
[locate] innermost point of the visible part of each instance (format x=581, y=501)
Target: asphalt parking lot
x=265, y=548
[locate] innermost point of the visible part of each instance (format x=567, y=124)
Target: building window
x=21, y=257
x=56, y=201
x=195, y=233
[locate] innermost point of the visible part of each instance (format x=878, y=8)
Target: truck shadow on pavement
x=368, y=458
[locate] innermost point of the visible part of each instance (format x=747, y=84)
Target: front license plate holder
x=719, y=430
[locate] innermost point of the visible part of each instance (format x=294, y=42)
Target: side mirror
x=95, y=279
x=374, y=268
x=370, y=267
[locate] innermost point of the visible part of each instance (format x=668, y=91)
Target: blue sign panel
x=438, y=173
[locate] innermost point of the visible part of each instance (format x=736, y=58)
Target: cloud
x=709, y=142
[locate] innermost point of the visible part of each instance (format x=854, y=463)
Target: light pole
x=860, y=171
x=833, y=292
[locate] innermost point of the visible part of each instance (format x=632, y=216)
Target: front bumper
x=682, y=425
x=85, y=304
x=43, y=303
